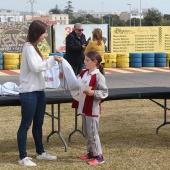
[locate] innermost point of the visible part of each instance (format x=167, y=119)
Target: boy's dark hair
x=94, y=55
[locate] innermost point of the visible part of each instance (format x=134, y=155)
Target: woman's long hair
x=97, y=36
x=36, y=29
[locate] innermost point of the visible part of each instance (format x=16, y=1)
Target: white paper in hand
x=80, y=96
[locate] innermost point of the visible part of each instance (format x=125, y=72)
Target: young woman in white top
x=31, y=92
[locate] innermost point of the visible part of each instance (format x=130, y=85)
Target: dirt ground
x=127, y=132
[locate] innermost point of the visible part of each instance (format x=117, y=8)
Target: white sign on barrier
x=61, y=32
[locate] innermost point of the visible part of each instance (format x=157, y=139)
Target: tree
x=165, y=23
x=55, y=10
x=77, y=20
x=153, y=18
x=134, y=22
x=86, y=19
x=166, y=20
x=114, y=20
x=69, y=10
x=166, y=16
x=90, y=19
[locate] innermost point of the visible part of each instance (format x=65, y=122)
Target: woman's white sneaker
x=46, y=156
x=26, y=162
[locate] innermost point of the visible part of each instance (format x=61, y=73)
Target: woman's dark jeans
x=33, y=106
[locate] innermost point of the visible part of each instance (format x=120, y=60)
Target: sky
x=100, y=5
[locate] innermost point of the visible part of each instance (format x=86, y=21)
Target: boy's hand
x=89, y=92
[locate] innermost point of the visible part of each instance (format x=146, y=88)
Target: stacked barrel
x=148, y=59
x=160, y=59
x=110, y=60
x=11, y=61
x=122, y=60
x=135, y=60
x=168, y=60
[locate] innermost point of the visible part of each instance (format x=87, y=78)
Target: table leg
x=165, y=113
x=59, y=125
x=75, y=128
x=165, y=116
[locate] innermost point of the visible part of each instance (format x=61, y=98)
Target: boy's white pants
x=90, y=130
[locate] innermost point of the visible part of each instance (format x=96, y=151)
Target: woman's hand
x=60, y=76
x=59, y=59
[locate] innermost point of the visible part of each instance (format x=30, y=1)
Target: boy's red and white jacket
x=91, y=106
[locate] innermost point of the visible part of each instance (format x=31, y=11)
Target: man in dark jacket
x=75, y=46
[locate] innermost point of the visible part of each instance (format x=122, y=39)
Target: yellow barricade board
x=140, y=39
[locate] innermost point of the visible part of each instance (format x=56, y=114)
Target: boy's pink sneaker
x=87, y=156
x=96, y=161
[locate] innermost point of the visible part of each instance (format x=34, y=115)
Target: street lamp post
x=129, y=14
x=102, y=12
x=32, y=2
x=140, y=13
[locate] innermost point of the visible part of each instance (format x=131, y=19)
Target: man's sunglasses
x=80, y=30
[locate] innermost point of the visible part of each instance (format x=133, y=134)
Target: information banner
x=166, y=39
x=61, y=31
x=140, y=39
x=13, y=36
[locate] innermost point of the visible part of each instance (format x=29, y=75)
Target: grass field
x=127, y=131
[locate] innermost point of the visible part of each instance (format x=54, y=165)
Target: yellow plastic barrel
x=11, y=61
x=167, y=59
x=122, y=60
x=110, y=60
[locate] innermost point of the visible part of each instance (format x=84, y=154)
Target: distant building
x=51, y=19
x=124, y=16
x=133, y=14
x=61, y=19
x=94, y=13
x=10, y=16
x=26, y=17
